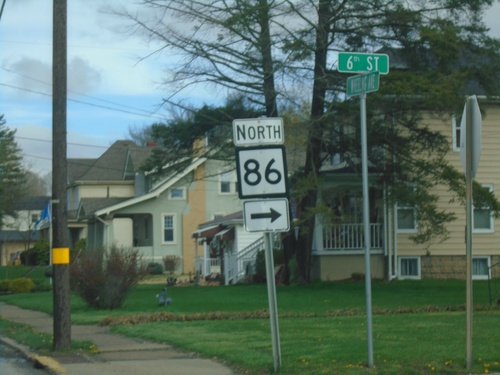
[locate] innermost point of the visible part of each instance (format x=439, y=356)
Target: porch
x=347, y=237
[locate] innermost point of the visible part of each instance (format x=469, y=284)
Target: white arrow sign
x=269, y=215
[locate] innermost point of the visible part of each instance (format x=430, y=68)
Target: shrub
x=155, y=268
x=23, y=285
x=103, y=278
x=38, y=254
x=48, y=271
x=79, y=247
x=171, y=263
x=4, y=286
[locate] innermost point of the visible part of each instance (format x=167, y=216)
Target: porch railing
x=351, y=237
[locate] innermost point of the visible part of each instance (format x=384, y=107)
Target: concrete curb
x=39, y=361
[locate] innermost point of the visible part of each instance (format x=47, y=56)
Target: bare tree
x=277, y=52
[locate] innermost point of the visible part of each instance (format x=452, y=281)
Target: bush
x=22, y=285
x=38, y=254
x=4, y=286
x=154, y=268
x=103, y=278
x=79, y=247
x=171, y=263
x=260, y=264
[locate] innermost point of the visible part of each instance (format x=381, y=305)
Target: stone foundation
x=451, y=267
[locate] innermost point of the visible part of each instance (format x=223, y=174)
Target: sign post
x=470, y=152
x=372, y=65
x=262, y=173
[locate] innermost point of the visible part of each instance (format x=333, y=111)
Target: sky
x=112, y=87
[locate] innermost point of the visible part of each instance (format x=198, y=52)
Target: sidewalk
x=118, y=354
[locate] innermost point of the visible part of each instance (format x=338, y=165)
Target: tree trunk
x=314, y=145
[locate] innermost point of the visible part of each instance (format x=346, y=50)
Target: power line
x=78, y=93
x=85, y=103
x=69, y=143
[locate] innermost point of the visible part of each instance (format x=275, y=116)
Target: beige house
x=338, y=250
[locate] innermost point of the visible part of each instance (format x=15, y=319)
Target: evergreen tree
x=12, y=173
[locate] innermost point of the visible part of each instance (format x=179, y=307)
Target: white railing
x=242, y=264
x=351, y=236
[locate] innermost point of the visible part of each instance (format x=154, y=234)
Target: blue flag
x=45, y=217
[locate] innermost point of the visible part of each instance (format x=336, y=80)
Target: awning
x=226, y=234
x=208, y=232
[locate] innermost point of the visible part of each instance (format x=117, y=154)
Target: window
x=480, y=267
x=409, y=268
x=178, y=193
x=34, y=218
x=482, y=219
x=406, y=219
x=455, y=125
x=227, y=185
x=168, y=228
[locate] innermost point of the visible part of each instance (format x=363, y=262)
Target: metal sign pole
x=468, y=246
x=366, y=225
x=273, y=306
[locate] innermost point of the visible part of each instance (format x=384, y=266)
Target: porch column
x=318, y=235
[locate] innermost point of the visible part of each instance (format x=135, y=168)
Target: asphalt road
x=12, y=363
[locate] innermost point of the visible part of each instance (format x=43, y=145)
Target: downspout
x=395, y=234
x=387, y=237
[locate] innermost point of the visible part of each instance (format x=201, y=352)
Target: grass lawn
x=322, y=325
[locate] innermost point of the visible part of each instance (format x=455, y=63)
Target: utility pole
x=61, y=303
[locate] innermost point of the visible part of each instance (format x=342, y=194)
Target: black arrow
x=273, y=215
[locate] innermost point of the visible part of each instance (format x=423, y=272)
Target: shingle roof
x=90, y=205
x=119, y=162
x=32, y=204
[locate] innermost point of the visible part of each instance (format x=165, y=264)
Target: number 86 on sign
x=261, y=172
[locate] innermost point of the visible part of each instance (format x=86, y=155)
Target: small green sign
x=351, y=62
x=362, y=84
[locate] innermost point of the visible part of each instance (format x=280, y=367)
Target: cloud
x=36, y=144
x=82, y=78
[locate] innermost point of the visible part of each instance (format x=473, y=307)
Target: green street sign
x=362, y=83
x=351, y=62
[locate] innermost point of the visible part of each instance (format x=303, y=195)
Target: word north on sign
x=253, y=132
x=262, y=172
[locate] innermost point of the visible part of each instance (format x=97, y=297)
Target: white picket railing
x=351, y=236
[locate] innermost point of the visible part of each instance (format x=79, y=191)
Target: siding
x=488, y=173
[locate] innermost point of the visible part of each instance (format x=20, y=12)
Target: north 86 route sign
x=262, y=172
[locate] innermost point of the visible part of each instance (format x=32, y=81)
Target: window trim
x=183, y=191
x=231, y=180
x=410, y=277
x=454, y=136
x=488, y=262
x=491, y=229
x=405, y=230
x=174, y=227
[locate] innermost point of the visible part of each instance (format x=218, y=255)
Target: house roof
x=155, y=193
x=234, y=218
x=17, y=235
x=32, y=203
x=119, y=162
x=90, y=205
